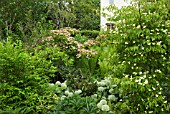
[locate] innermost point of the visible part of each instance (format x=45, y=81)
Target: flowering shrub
x=82, y=51
x=71, y=45
x=141, y=41
x=106, y=95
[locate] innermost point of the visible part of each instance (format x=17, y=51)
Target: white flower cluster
x=62, y=85
x=78, y=92
x=112, y=97
x=103, y=105
x=69, y=94
x=106, y=87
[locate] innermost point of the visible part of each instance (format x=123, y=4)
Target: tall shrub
x=24, y=82
x=141, y=37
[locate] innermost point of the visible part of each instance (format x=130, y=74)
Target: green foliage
x=24, y=79
x=21, y=16
x=89, y=33
x=76, y=105
x=141, y=39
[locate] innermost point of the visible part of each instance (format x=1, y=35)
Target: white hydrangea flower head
x=101, y=89
x=51, y=84
x=66, y=92
x=104, y=102
x=70, y=94
x=112, y=97
x=105, y=108
x=63, y=86
x=78, y=92
x=63, y=97
x=99, y=105
x=58, y=83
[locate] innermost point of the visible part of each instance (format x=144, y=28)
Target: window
x=111, y=1
x=110, y=26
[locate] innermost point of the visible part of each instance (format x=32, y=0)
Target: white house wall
x=104, y=4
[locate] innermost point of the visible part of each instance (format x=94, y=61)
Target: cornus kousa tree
x=142, y=39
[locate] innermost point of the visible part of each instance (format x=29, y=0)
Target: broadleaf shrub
x=24, y=80
x=141, y=39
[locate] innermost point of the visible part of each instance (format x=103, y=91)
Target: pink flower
x=80, y=45
x=78, y=55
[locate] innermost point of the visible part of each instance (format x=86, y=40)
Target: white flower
x=94, y=96
x=63, y=86
x=70, y=94
x=126, y=42
x=112, y=97
x=66, y=92
x=51, y=84
x=159, y=71
x=126, y=76
x=134, y=73
x=162, y=109
x=110, y=90
x=165, y=31
x=136, y=81
x=142, y=48
x=146, y=81
x=102, y=83
x=78, y=92
x=106, y=81
x=159, y=43
x=140, y=73
x=113, y=86
x=153, y=88
x=99, y=105
x=140, y=83
x=101, y=88
x=144, y=76
x=138, y=27
x=104, y=102
x=58, y=83
x=105, y=108
x=165, y=102
x=141, y=78
x=63, y=97
x=150, y=112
